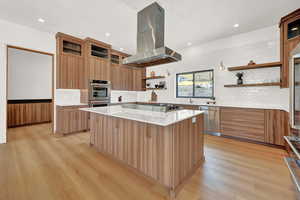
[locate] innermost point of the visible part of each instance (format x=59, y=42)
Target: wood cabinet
x=168, y=155
x=20, y=114
x=243, y=123
x=289, y=39
x=70, y=119
x=276, y=126
x=125, y=77
x=70, y=70
x=97, y=60
x=262, y=125
x=139, y=82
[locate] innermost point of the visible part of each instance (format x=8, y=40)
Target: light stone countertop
x=151, y=117
x=71, y=104
x=276, y=107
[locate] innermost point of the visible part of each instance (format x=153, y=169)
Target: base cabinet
x=167, y=155
x=261, y=125
x=21, y=114
x=276, y=126
x=70, y=119
x=243, y=123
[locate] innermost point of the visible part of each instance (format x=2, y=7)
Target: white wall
x=17, y=35
x=260, y=45
x=29, y=75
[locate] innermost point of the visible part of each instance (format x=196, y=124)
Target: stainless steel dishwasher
x=211, y=120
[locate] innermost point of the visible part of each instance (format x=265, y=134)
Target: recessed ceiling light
x=236, y=25
x=41, y=20
x=121, y=49
x=189, y=44
x=107, y=34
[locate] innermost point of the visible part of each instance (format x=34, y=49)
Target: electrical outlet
x=194, y=120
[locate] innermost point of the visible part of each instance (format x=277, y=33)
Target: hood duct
x=151, y=49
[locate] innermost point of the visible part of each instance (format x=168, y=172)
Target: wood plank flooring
x=34, y=165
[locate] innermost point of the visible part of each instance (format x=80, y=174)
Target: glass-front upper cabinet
x=295, y=88
x=294, y=29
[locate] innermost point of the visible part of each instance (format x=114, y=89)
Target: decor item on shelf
x=156, y=85
x=162, y=84
x=152, y=73
x=153, y=96
x=222, y=67
x=168, y=73
x=240, y=80
x=120, y=99
x=251, y=62
x=148, y=85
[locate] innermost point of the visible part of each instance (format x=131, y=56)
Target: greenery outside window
x=199, y=84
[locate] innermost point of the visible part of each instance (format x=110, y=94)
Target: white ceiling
x=195, y=21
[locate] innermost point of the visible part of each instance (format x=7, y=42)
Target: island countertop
x=151, y=117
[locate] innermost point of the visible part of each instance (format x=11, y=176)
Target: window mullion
x=193, y=84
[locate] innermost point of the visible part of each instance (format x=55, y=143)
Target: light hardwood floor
x=34, y=165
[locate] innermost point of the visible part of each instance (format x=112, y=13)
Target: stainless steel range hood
x=151, y=49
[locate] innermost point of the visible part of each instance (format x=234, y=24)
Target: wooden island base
x=167, y=155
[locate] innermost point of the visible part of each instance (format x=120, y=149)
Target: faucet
x=190, y=100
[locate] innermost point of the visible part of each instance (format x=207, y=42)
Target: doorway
x=30, y=87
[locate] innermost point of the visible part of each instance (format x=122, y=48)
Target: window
x=198, y=84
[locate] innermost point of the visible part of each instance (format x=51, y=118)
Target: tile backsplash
x=127, y=96
x=69, y=96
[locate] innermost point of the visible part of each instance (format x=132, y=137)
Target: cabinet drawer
x=243, y=123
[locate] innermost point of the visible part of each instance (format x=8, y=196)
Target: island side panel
x=146, y=148
x=187, y=150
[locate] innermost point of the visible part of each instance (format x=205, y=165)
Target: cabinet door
x=277, y=126
x=70, y=120
x=243, y=123
x=138, y=79
x=99, y=69
x=115, y=77
x=70, y=71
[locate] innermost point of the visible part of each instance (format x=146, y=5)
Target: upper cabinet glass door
x=294, y=29
x=296, y=96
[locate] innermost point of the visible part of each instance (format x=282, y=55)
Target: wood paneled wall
x=168, y=155
x=28, y=113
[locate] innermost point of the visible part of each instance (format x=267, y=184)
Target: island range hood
x=151, y=49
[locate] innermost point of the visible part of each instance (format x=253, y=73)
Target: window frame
x=194, y=72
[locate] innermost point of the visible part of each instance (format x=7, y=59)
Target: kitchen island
x=165, y=147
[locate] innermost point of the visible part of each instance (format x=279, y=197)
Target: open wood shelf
x=155, y=88
x=255, y=66
x=255, y=85
x=154, y=77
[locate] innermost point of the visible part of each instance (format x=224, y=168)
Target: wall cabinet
x=125, y=77
x=289, y=39
x=97, y=60
x=70, y=119
x=70, y=71
x=79, y=61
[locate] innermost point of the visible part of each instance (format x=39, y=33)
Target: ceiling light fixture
x=107, y=34
x=189, y=44
x=41, y=20
x=236, y=25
